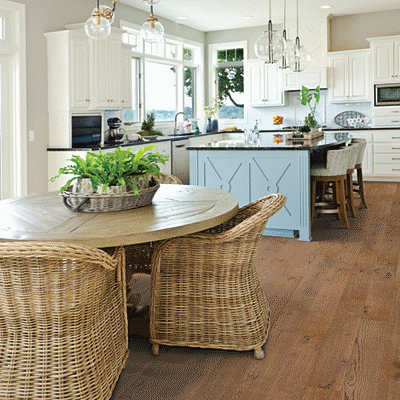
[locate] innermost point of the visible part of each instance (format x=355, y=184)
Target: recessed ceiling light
x=326, y=6
x=248, y=17
x=181, y=17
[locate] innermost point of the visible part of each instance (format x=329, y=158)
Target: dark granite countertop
x=137, y=142
x=278, y=141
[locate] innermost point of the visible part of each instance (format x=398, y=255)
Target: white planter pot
x=82, y=185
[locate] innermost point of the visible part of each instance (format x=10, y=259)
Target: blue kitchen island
x=276, y=165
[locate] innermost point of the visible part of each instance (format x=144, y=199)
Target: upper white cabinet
x=349, y=76
x=263, y=84
x=68, y=71
x=107, y=71
x=87, y=74
x=385, y=59
x=310, y=77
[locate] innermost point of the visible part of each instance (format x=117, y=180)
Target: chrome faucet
x=176, y=115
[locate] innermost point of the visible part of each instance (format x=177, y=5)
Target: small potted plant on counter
x=210, y=112
x=147, y=128
x=100, y=176
x=306, y=99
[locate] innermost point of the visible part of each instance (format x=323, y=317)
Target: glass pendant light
x=267, y=45
x=152, y=31
x=301, y=56
x=98, y=26
x=150, y=2
x=285, y=45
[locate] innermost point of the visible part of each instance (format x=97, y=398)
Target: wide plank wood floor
x=335, y=331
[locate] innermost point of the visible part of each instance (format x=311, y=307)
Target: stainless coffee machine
x=115, y=133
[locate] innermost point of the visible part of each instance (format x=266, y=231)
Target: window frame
x=214, y=65
x=197, y=63
x=14, y=159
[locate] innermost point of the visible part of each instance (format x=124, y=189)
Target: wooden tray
x=304, y=136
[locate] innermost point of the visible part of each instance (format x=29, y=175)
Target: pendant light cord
x=297, y=17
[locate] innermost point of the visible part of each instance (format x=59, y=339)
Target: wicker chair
x=63, y=325
x=205, y=291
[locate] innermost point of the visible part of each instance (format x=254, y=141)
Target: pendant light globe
x=150, y=2
x=97, y=27
x=286, y=50
x=301, y=57
x=267, y=46
x=152, y=31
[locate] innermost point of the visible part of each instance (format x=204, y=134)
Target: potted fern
x=118, y=169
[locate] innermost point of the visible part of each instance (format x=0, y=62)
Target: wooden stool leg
x=313, y=194
x=350, y=196
x=342, y=203
x=361, y=186
x=323, y=191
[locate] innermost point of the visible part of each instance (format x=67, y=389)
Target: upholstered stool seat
x=335, y=171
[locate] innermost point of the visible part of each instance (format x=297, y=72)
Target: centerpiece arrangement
x=147, y=128
x=211, y=113
x=113, y=181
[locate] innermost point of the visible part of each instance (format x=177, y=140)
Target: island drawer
x=387, y=169
x=387, y=148
x=387, y=136
x=387, y=158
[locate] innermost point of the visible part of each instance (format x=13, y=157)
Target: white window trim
x=199, y=66
x=213, y=64
x=14, y=163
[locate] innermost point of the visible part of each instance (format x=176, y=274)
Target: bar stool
x=358, y=186
x=336, y=172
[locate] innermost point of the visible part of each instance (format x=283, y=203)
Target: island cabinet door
x=286, y=173
x=225, y=170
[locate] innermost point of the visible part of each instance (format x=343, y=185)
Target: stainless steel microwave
x=387, y=94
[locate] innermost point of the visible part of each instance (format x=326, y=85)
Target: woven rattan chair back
x=205, y=291
x=63, y=326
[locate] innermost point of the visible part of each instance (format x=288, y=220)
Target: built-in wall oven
x=86, y=130
x=387, y=94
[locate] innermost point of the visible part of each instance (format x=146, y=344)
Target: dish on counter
x=342, y=118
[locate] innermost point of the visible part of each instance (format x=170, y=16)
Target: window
x=167, y=77
x=189, y=84
x=13, y=138
x=228, y=73
x=160, y=90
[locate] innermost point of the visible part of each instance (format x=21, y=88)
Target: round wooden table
x=176, y=210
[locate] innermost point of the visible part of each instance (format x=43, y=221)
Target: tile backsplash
x=294, y=113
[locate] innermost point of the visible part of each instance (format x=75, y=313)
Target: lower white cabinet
x=368, y=161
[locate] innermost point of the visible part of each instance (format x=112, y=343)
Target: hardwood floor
x=335, y=333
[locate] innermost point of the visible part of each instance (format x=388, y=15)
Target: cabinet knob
x=395, y=159
x=395, y=121
x=395, y=137
x=395, y=148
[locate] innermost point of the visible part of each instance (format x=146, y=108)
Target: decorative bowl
x=357, y=122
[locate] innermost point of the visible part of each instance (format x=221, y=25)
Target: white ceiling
x=214, y=15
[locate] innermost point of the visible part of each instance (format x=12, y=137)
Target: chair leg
x=259, y=353
x=313, y=194
x=342, y=203
x=350, y=197
x=361, y=186
x=155, y=350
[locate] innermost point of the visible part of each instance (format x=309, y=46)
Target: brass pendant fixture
x=98, y=26
x=152, y=31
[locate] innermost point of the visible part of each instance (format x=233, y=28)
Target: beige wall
x=51, y=15
x=350, y=32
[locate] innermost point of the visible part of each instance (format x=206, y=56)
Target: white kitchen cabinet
x=368, y=161
x=263, y=86
x=164, y=148
x=387, y=154
x=107, y=72
x=349, y=76
x=68, y=71
x=385, y=59
x=87, y=74
x=311, y=78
